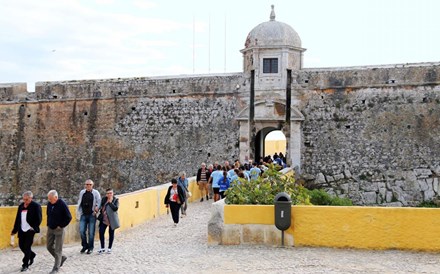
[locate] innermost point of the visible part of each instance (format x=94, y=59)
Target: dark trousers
x=174, y=207
x=55, y=239
x=184, y=205
x=25, y=241
x=111, y=234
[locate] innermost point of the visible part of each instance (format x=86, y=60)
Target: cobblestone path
x=159, y=247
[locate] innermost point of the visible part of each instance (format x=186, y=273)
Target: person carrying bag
x=108, y=216
x=173, y=200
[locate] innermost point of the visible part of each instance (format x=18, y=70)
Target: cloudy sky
x=49, y=40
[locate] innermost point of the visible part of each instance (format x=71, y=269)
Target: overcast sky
x=49, y=40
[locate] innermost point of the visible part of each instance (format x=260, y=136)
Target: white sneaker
x=101, y=251
x=109, y=251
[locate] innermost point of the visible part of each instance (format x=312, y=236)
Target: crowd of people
x=213, y=180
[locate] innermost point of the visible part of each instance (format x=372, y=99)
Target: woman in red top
x=173, y=200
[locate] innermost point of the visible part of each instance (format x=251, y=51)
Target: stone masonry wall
x=375, y=145
x=370, y=133
x=124, y=142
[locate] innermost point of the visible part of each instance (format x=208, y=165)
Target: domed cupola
x=272, y=34
x=271, y=48
x=271, y=58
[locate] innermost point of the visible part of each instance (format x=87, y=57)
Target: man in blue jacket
x=58, y=217
x=27, y=223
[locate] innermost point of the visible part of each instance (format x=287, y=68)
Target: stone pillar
x=294, y=146
x=244, y=141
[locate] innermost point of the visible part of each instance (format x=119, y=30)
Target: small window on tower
x=270, y=65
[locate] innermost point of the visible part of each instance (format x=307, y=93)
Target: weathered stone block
x=436, y=170
x=383, y=191
x=394, y=204
x=435, y=185
x=231, y=235
x=368, y=186
x=353, y=187
x=411, y=185
x=423, y=185
x=423, y=172
x=273, y=237
x=347, y=173
x=428, y=195
x=370, y=198
x=344, y=188
x=320, y=178
x=338, y=177
x=253, y=234
x=216, y=223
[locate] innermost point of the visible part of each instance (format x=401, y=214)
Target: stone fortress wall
x=123, y=133
x=370, y=133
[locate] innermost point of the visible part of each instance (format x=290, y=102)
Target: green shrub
x=336, y=201
x=428, y=204
x=320, y=197
x=263, y=190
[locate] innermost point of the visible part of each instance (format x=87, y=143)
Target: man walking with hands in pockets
x=88, y=205
x=58, y=217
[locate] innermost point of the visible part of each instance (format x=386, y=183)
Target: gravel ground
x=159, y=247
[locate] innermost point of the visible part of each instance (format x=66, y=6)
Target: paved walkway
x=159, y=247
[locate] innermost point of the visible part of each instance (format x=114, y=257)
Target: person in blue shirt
x=224, y=184
x=235, y=176
x=254, y=172
x=214, y=180
x=279, y=161
x=245, y=173
x=231, y=171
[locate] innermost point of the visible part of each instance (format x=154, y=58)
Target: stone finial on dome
x=272, y=14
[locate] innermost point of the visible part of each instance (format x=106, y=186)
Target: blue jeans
x=87, y=222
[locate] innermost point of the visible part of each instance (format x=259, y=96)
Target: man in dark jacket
x=58, y=217
x=27, y=223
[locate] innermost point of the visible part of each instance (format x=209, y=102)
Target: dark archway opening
x=265, y=146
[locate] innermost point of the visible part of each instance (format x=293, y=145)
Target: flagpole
x=225, y=44
x=194, y=48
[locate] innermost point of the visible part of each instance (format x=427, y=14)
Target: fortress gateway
x=369, y=133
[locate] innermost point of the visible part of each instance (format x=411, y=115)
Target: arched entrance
x=275, y=142
x=260, y=148
x=268, y=117
x=265, y=147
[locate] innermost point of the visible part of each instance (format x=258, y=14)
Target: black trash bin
x=283, y=209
